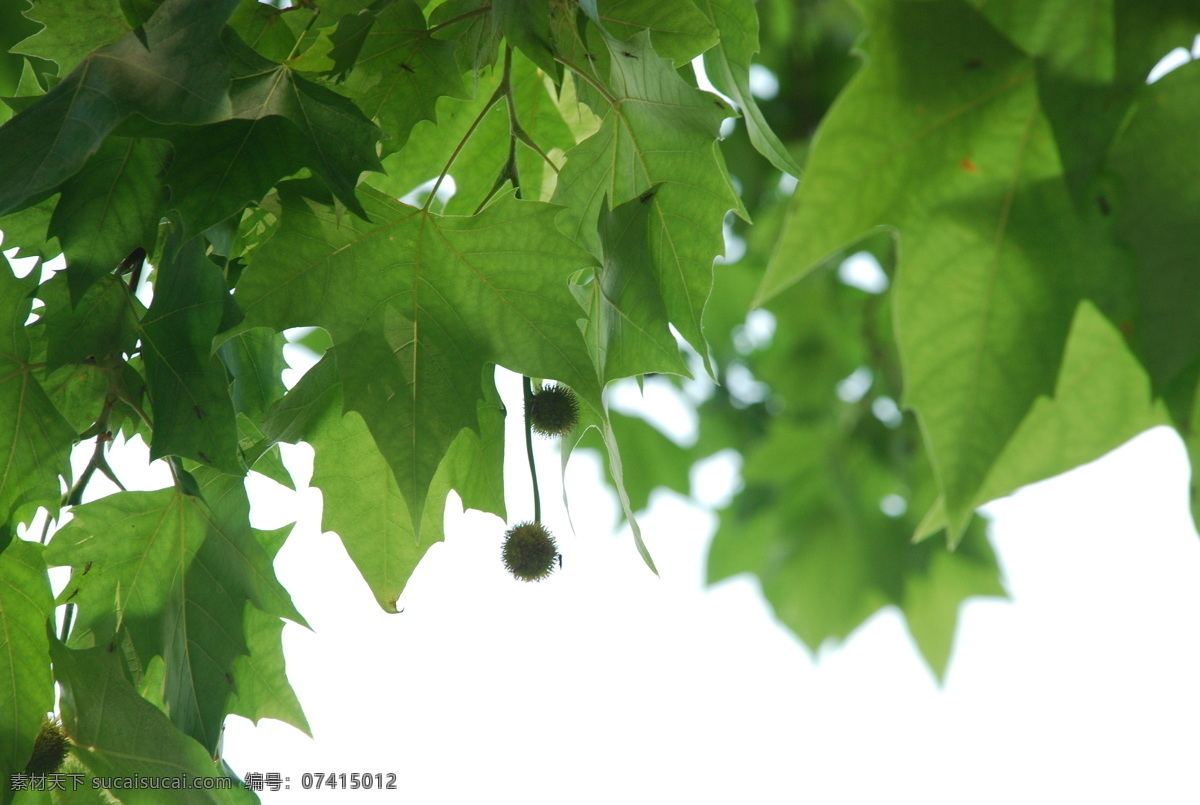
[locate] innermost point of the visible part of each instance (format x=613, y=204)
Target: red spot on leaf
x=968, y=166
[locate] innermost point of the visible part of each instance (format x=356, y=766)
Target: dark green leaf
x=188, y=386
x=34, y=438
x=26, y=605
x=178, y=75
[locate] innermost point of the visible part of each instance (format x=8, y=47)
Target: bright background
x=606, y=684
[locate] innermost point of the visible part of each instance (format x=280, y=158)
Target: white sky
x=605, y=684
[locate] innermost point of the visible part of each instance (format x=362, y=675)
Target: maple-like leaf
x=658, y=133
x=417, y=305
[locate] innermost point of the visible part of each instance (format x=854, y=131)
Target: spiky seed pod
x=49, y=749
x=529, y=551
x=553, y=411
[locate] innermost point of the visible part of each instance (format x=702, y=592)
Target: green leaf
x=967, y=171
x=188, y=386
x=627, y=326
x=279, y=122
x=365, y=507
x=679, y=31
x=657, y=131
x=417, y=305
x=176, y=571
x=73, y=29
x=400, y=70
x=100, y=326
x=35, y=440
x=933, y=598
x=526, y=26
x=728, y=67
x=129, y=551
x=254, y=360
x=27, y=230
x=263, y=28
x=1102, y=399
x=177, y=74
x=120, y=734
x=1156, y=204
x=26, y=606
x=263, y=690
x=1092, y=62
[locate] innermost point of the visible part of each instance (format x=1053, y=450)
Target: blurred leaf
x=967, y=171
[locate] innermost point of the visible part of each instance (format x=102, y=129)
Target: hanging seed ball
x=554, y=411
x=49, y=749
x=529, y=551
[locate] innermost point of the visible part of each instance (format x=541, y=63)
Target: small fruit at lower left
x=49, y=749
x=529, y=551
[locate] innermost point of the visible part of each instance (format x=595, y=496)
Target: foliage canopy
x=1031, y=199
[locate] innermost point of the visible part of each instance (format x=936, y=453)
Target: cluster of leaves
x=239, y=165
x=1005, y=161
x=1027, y=191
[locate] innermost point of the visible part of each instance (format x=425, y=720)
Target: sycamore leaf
x=254, y=360
x=526, y=26
x=400, y=70
x=933, y=597
x=627, y=326
x=34, y=438
x=119, y=734
x=962, y=162
x=679, y=31
x=27, y=685
x=73, y=29
x=188, y=387
x=101, y=325
x=478, y=36
x=728, y=67
x=417, y=305
x=1155, y=204
x=28, y=231
x=481, y=158
x=657, y=131
x=279, y=122
x=1092, y=60
x=109, y=208
x=263, y=690
x=129, y=550
x=176, y=571
x=176, y=71
x=1101, y=400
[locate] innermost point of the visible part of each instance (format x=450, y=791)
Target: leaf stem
x=537, y=499
x=603, y=90
x=461, y=144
